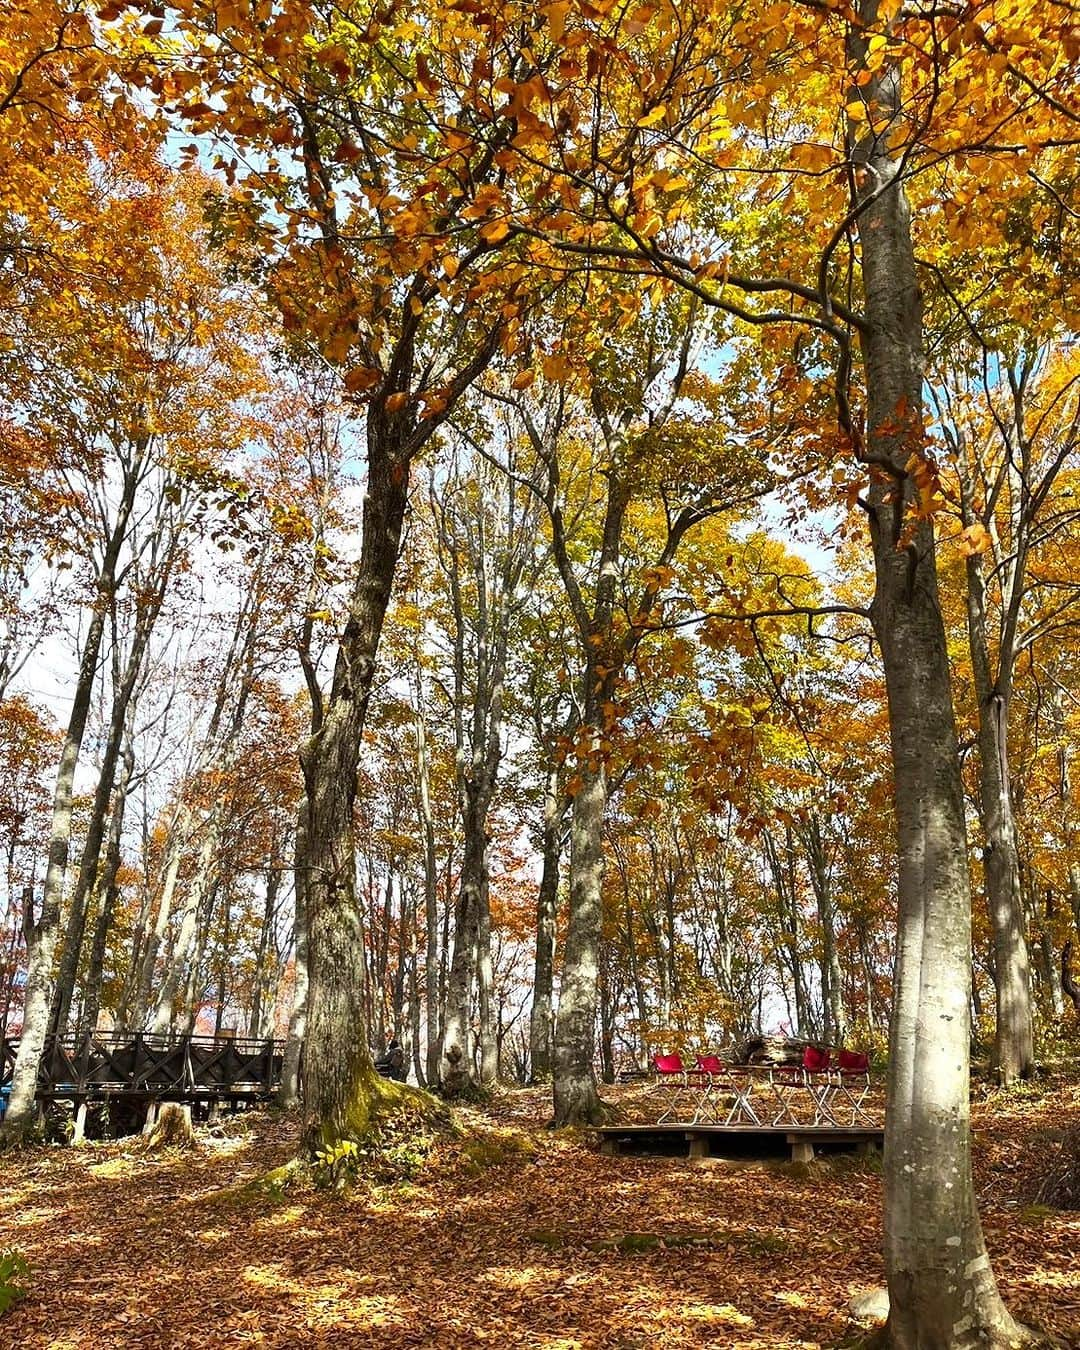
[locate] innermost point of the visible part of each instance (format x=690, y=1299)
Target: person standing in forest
x=392, y=1064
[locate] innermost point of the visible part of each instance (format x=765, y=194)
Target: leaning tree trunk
x=542, y=1016
x=573, y=1079
x=942, y=1291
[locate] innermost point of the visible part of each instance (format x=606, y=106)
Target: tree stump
x=172, y=1128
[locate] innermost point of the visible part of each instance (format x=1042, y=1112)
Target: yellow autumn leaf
x=556, y=18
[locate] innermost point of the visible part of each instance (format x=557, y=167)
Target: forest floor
x=508, y=1236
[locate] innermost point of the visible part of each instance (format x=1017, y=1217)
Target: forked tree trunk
x=576, y=1100
x=941, y=1288
x=124, y=695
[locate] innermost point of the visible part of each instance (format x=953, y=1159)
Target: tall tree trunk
x=109, y=893
x=456, y=1059
x=339, y=1078
x=787, y=908
x=489, y=1045
x=42, y=935
x=196, y=899
x=576, y=1099
x=1051, y=970
x=178, y=837
x=124, y=684
x=542, y=1016
x=263, y=979
x=607, y=1011
x=942, y=1291
x=289, y=1091
x=1014, y=1042
x=432, y=1024
x=832, y=993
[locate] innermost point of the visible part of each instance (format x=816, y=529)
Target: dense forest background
x=549, y=533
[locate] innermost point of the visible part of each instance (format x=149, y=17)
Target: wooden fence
x=108, y=1064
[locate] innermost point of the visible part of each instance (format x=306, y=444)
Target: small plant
x=14, y=1268
x=336, y=1165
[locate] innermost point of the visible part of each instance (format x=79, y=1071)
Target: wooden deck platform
x=740, y=1141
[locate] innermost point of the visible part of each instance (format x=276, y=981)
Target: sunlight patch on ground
x=114, y=1168
x=529, y=1278
x=290, y=1217
x=724, y=1313
x=1055, y=1279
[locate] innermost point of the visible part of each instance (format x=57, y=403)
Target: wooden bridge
x=139, y=1069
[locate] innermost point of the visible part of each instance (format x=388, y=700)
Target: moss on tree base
x=387, y=1135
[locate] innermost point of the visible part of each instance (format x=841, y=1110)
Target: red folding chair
x=821, y=1083
x=853, y=1082
x=812, y=1076
x=673, y=1081
x=727, y=1078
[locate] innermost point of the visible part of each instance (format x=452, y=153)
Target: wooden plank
x=825, y=1132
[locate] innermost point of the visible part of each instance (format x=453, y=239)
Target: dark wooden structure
x=138, y=1069
x=703, y=1141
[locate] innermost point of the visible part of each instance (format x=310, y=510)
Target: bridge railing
x=145, y=1063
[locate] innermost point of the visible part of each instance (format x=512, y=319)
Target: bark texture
x=576, y=1100
x=542, y=1016
x=339, y=1078
x=942, y=1291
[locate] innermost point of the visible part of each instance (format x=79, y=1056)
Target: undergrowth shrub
x=14, y=1269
